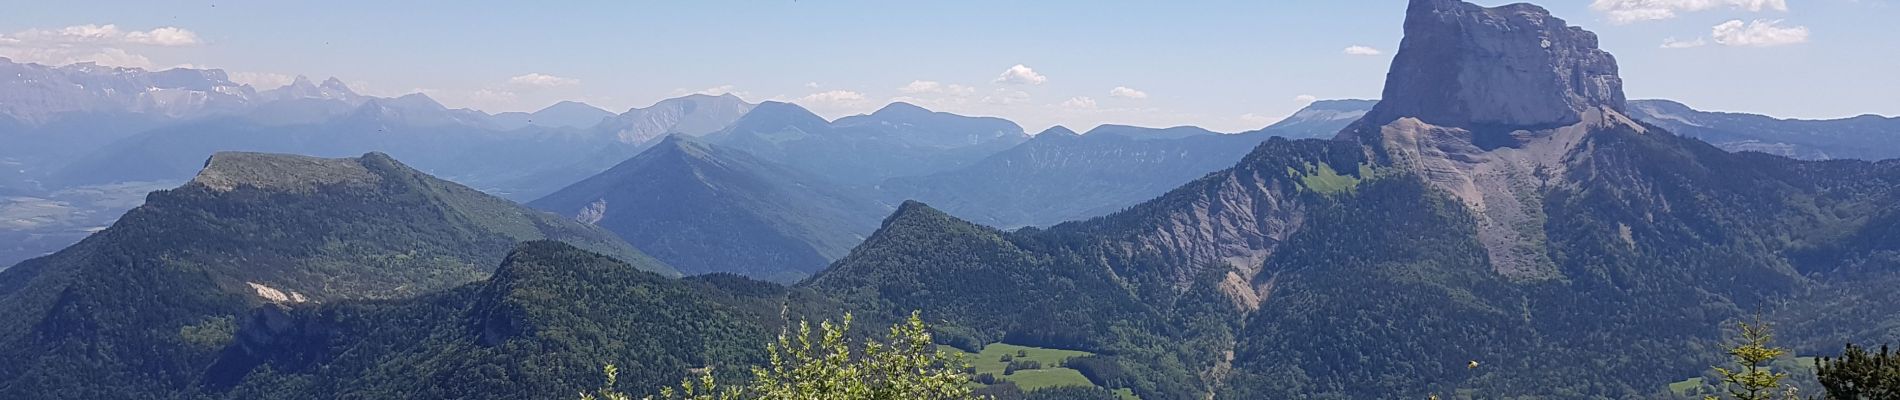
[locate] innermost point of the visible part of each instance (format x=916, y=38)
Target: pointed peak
x=676, y=145
x=901, y=109
x=337, y=85
x=1058, y=131
x=677, y=140
x=418, y=100
x=912, y=210
x=301, y=81
x=570, y=105
x=782, y=114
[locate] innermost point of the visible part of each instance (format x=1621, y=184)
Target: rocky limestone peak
x=1508, y=67
x=1489, y=105
x=335, y=84
x=301, y=82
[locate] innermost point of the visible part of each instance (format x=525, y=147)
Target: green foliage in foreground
x=1752, y=379
x=1861, y=374
x=906, y=366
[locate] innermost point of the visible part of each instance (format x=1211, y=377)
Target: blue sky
x=1226, y=65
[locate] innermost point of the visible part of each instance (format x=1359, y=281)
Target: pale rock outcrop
x=1511, y=67
x=1489, y=104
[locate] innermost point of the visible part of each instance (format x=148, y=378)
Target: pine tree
x=1753, y=380
x=1859, y=374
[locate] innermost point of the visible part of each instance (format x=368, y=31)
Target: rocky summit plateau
x=1508, y=67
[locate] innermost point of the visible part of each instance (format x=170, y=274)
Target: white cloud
x=63, y=56
x=493, y=96
x=812, y=85
x=1628, y=11
x=1021, y=75
x=1760, y=33
x=542, y=80
x=108, y=35
x=833, y=96
x=485, y=99
x=102, y=44
x=835, y=103
x=1127, y=93
x=934, y=87
x=262, y=80
x=713, y=91
x=1362, y=51
x=1079, y=103
x=1673, y=43
x=832, y=100
x=166, y=36
x=1305, y=98
x=1006, y=97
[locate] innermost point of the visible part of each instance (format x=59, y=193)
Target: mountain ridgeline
x=705, y=208
x=1062, y=176
x=898, y=140
x=1503, y=223
x=541, y=327
x=1866, y=137
x=148, y=303
x=1498, y=203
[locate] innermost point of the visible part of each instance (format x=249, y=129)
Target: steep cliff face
x=1489, y=104
x=1227, y=224
x=1498, y=203
x=1513, y=67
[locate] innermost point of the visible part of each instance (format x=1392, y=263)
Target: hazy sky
x=1223, y=65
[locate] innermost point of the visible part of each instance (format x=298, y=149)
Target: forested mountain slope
x=541, y=327
x=705, y=208
x=148, y=302
x=1496, y=206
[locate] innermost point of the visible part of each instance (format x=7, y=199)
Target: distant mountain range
x=566, y=114
x=1062, y=176
x=1497, y=226
x=898, y=140
x=621, y=136
x=1866, y=137
x=705, y=208
x=1322, y=119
